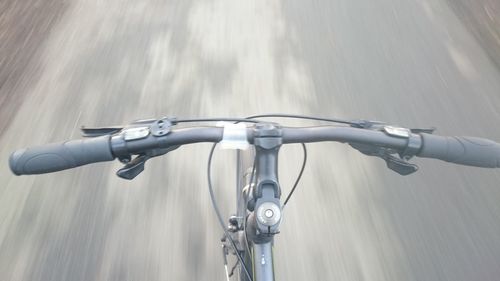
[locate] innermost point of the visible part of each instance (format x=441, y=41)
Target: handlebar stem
x=266, y=207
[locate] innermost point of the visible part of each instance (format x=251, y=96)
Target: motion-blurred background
x=67, y=63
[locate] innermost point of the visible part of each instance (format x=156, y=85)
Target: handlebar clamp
x=413, y=147
x=268, y=135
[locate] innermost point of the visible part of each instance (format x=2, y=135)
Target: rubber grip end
x=14, y=157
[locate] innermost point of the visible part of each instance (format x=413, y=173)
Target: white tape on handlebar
x=234, y=136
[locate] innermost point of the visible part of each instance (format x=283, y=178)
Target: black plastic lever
x=399, y=166
x=136, y=165
x=99, y=131
x=133, y=168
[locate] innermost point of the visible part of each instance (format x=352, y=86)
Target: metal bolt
x=269, y=213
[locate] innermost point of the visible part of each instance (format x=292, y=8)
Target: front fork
x=262, y=204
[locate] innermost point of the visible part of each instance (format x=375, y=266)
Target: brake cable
x=247, y=245
x=276, y=115
x=238, y=120
x=295, y=116
x=299, y=176
x=219, y=216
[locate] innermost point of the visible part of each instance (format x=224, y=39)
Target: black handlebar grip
x=461, y=150
x=60, y=156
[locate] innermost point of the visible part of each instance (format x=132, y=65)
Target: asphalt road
x=412, y=63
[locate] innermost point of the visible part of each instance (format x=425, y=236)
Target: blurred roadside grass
x=24, y=27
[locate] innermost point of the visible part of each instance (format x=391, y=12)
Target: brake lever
x=423, y=130
x=158, y=127
x=133, y=168
x=367, y=124
x=379, y=125
x=136, y=166
x=398, y=165
x=99, y=131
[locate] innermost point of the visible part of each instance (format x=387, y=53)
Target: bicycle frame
x=266, y=189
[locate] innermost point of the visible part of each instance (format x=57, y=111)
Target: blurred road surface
x=412, y=63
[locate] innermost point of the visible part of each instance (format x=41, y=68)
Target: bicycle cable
x=233, y=268
x=238, y=120
x=277, y=115
x=219, y=216
x=295, y=116
x=299, y=176
x=250, y=185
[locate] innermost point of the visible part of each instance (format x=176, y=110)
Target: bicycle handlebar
x=342, y=134
x=469, y=151
x=60, y=156
x=70, y=154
